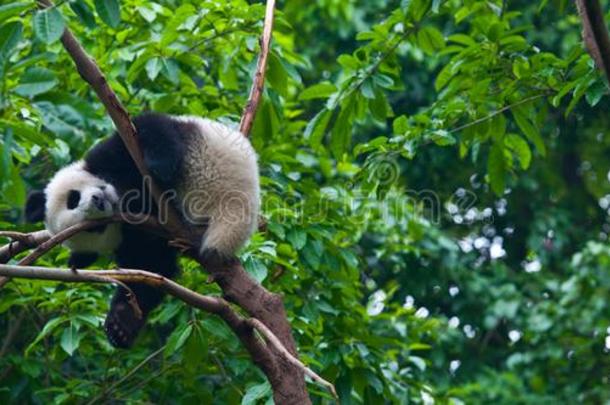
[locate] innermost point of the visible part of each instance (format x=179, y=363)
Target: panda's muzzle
x=98, y=202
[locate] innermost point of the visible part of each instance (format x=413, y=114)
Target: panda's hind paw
x=122, y=325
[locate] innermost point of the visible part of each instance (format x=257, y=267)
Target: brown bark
x=258, y=83
x=595, y=33
x=285, y=377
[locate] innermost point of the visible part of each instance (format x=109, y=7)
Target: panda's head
x=72, y=196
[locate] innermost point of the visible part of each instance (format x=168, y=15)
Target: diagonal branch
x=91, y=73
x=286, y=379
x=242, y=327
x=275, y=342
x=258, y=83
x=43, y=241
x=595, y=33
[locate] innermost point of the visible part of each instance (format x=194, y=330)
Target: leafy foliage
x=435, y=189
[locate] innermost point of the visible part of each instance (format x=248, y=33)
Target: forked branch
x=214, y=305
x=285, y=372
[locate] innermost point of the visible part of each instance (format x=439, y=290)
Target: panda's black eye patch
x=73, y=199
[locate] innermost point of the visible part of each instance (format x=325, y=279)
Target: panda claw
x=183, y=245
x=122, y=326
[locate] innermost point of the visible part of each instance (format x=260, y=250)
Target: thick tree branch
x=595, y=33
x=242, y=327
x=258, y=82
x=286, y=379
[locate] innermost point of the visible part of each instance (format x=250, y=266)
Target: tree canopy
x=435, y=193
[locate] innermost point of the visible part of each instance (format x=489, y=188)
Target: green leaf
x=320, y=90
x=5, y=157
x=48, y=328
x=379, y=106
x=297, y=238
x=255, y=393
x=520, y=148
x=177, y=339
x=171, y=70
x=430, y=40
x=153, y=67
x=444, y=76
x=400, y=125
x=9, y=10
x=528, y=128
x=315, y=129
x=496, y=168
x=341, y=134
x=109, y=11
x=349, y=62
x=277, y=75
x=442, y=138
x=497, y=127
x=256, y=269
x=70, y=339
x=84, y=12
x=15, y=192
x=48, y=25
x=462, y=39
x=36, y=81
x=10, y=35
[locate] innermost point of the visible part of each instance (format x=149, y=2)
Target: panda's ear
x=35, y=206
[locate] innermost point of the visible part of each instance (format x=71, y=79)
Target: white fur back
x=221, y=184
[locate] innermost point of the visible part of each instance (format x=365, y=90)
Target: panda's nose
x=98, y=202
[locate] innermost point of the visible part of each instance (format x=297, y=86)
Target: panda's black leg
x=145, y=252
x=81, y=260
x=123, y=323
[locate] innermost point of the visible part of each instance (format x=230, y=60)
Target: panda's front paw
x=81, y=260
x=123, y=325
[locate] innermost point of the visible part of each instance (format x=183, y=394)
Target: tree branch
x=91, y=73
x=274, y=341
x=242, y=327
x=43, y=241
x=595, y=33
x=286, y=379
x=258, y=82
x=13, y=248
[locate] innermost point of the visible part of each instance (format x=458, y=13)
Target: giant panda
x=207, y=170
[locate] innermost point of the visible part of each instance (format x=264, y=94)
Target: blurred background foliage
x=435, y=184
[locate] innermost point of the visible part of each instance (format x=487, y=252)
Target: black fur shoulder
x=162, y=141
x=163, y=145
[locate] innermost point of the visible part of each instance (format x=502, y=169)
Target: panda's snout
x=98, y=202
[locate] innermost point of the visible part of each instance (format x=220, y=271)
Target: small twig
x=275, y=342
x=10, y=250
x=497, y=112
x=17, y=236
x=131, y=296
x=258, y=83
x=131, y=372
x=47, y=242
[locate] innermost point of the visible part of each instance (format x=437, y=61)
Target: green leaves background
x=434, y=182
